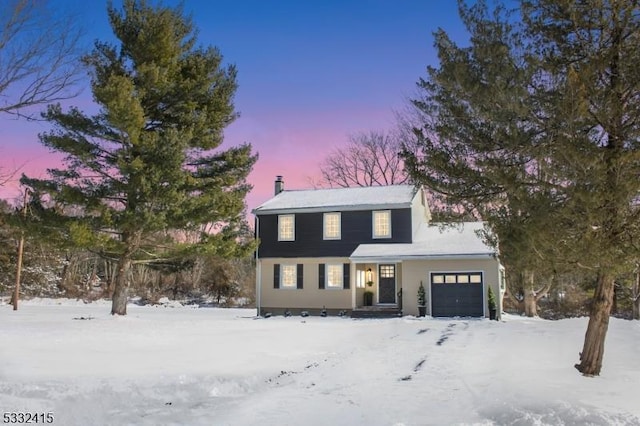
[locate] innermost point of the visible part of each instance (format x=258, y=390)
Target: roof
x=457, y=241
x=339, y=199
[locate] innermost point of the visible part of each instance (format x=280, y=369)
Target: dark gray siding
x=356, y=230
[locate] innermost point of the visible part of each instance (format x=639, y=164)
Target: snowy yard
x=189, y=366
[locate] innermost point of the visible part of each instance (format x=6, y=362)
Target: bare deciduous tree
x=39, y=59
x=6, y=176
x=368, y=159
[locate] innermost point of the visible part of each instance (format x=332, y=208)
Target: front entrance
x=387, y=284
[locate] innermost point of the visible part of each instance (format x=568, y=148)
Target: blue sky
x=310, y=73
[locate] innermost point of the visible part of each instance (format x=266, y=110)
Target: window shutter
x=321, y=276
x=300, y=275
x=346, y=271
x=276, y=275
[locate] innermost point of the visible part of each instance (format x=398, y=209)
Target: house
x=347, y=248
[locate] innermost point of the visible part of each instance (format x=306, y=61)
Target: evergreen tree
x=145, y=170
x=534, y=126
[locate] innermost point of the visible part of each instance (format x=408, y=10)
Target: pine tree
x=144, y=172
x=534, y=126
x=422, y=297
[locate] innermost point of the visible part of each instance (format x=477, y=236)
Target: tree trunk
x=593, y=349
x=64, y=276
x=614, y=302
x=530, y=303
x=110, y=277
x=514, y=300
x=119, y=299
x=635, y=295
x=16, y=292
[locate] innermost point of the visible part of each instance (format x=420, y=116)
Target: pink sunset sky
x=310, y=74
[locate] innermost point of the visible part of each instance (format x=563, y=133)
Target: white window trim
x=326, y=278
x=293, y=286
x=373, y=224
x=473, y=271
x=324, y=226
x=293, y=225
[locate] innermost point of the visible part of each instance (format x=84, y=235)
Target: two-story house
x=326, y=248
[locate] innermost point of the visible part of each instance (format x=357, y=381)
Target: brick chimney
x=279, y=187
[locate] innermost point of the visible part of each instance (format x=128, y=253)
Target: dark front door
x=387, y=284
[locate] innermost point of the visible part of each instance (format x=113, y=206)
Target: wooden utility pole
x=16, y=293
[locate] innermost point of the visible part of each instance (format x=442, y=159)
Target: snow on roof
x=431, y=241
x=359, y=198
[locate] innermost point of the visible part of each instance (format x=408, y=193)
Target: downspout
x=258, y=270
x=501, y=289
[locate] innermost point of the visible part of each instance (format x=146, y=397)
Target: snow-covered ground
x=189, y=366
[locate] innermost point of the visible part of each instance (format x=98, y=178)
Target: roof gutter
x=400, y=258
x=342, y=208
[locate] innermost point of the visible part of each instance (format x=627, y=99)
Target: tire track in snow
x=287, y=373
x=448, y=332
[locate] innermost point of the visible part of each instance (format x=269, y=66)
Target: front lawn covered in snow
x=208, y=366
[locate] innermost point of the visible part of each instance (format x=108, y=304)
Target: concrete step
x=376, y=312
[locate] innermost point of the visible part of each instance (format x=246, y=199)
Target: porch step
x=376, y=312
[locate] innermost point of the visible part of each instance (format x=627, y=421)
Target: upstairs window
x=286, y=227
x=382, y=224
x=332, y=226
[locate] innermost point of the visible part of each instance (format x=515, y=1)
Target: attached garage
x=453, y=264
x=457, y=294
